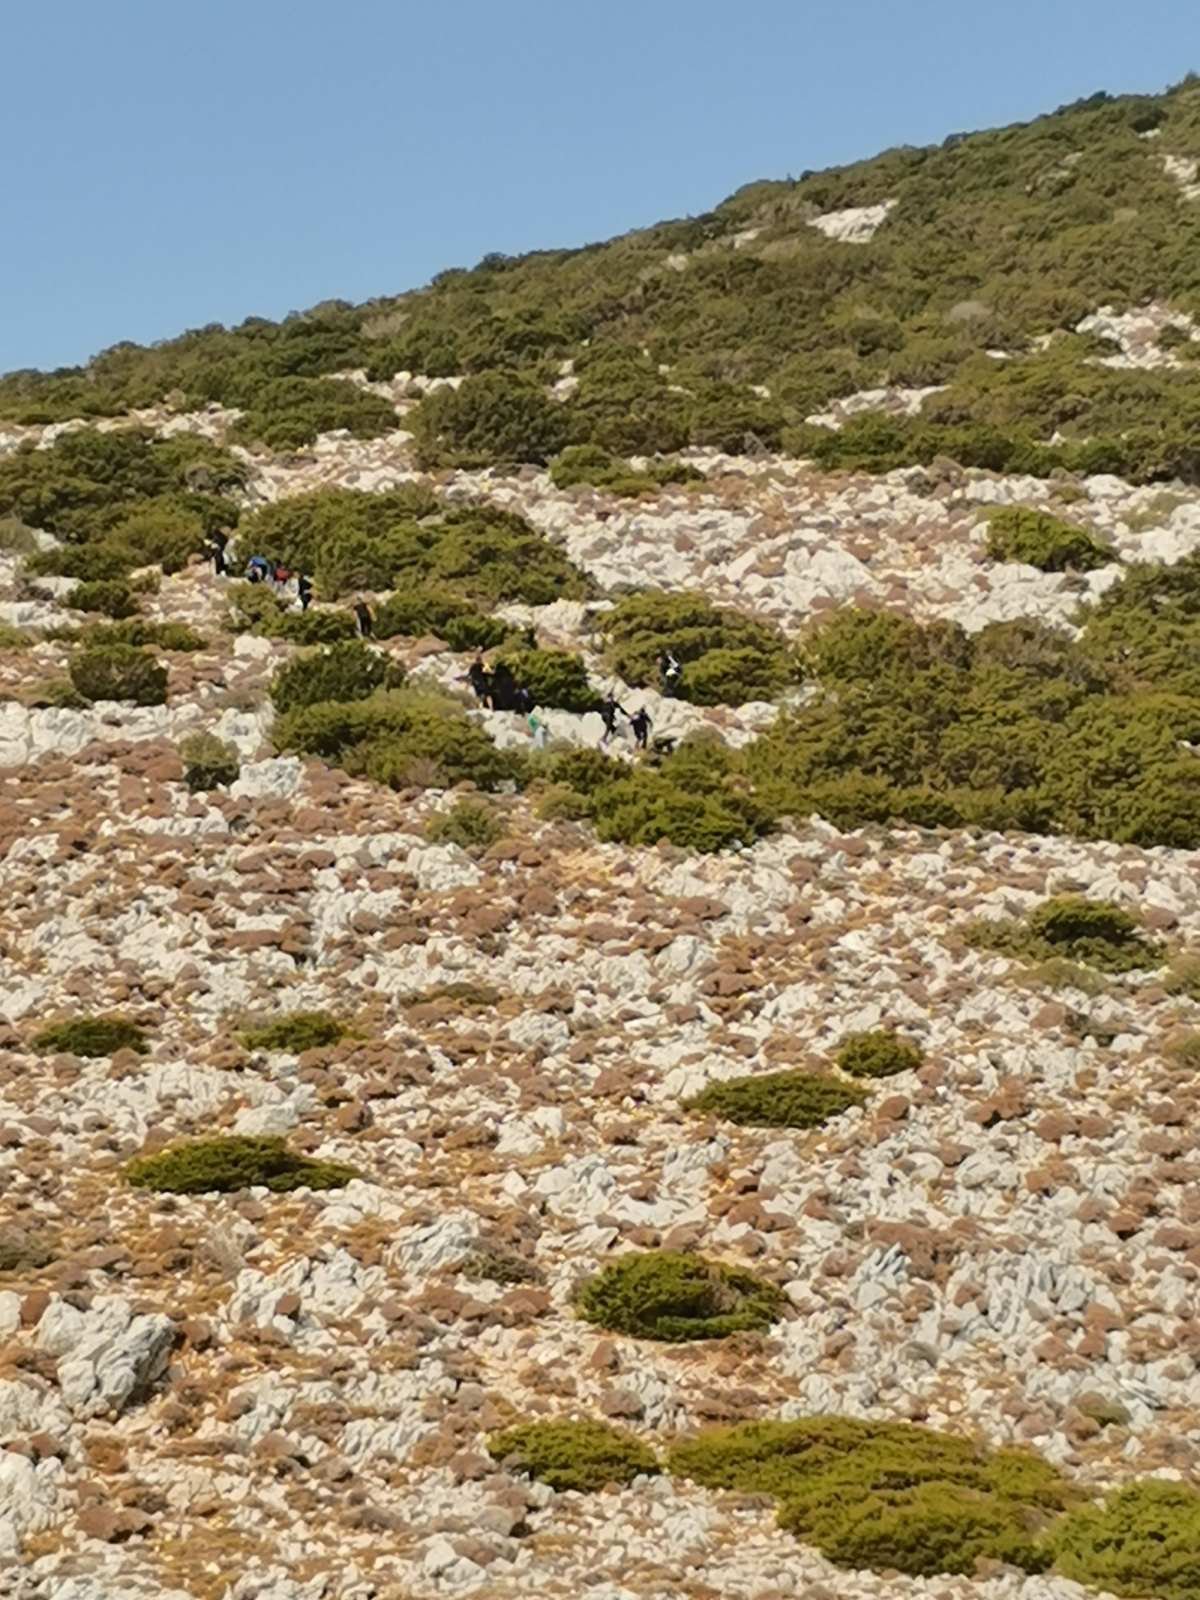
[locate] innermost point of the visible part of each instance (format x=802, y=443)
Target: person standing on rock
x=364, y=619
x=609, y=711
x=304, y=590
x=217, y=540
x=504, y=688
x=641, y=725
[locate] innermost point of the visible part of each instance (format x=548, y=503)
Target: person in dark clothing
x=304, y=591
x=670, y=671
x=366, y=622
x=504, y=688
x=641, y=725
x=216, y=545
x=609, y=711
x=524, y=700
x=480, y=682
x=280, y=574
x=257, y=568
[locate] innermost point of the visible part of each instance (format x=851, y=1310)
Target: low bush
x=469, y=824
x=294, y=1034
x=91, y=1036
x=90, y=563
x=1143, y=1540
x=880, y=1054
x=140, y=631
x=288, y=413
x=401, y=737
x=338, y=672
x=778, y=1099
x=651, y=805
x=110, y=596
x=583, y=1456
x=13, y=638
x=673, y=1296
x=592, y=465
x=208, y=762
x=553, y=677
x=500, y=1266
x=727, y=658
x=1094, y=933
x=886, y=1495
x=119, y=672
x=429, y=609
x=491, y=419
x=224, y=1165
x=1017, y=533
x=312, y=627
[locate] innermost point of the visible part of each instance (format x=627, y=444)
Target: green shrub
x=13, y=638
x=727, y=658
x=877, y=1055
x=649, y=806
x=1017, y=533
x=865, y=646
x=474, y=632
x=108, y=595
x=301, y=1031
x=885, y=1495
x=119, y=672
x=1094, y=933
x=584, y=1456
x=673, y=1296
x=493, y=418
x=403, y=738
x=91, y=1036
x=311, y=627
x=1143, y=1540
x=593, y=465
x=500, y=1266
x=469, y=824
x=554, y=678
x=338, y=672
x=141, y=631
x=224, y=1165
x=209, y=763
x=290, y=412
x=778, y=1099
x=90, y=563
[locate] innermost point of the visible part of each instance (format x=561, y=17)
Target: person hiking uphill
x=217, y=540
x=504, y=688
x=364, y=619
x=481, y=683
x=670, y=671
x=304, y=591
x=641, y=725
x=258, y=568
x=609, y=711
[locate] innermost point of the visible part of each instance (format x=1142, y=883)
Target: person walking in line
x=670, y=671
x=537, y=729
x=304, y=590
x=504, y=688
x=257, y=569
x=217, y=541
x=364, y=619
x=609, y=711
x=481, y=683
x=641, y=725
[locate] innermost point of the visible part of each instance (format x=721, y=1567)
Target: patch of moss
x=500, y=1266
x=584, y=1456
x=1094, y=933
x=91, y=1037
x=879, y=1054
x=301, y=1031
x=223, y=1165
x=886, y=1495
x=778, y=1099
x=674, y=1296
x=1143, y=1540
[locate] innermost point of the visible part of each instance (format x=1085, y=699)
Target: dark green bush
x=494, y=418
x=301, y=1031
x=90, y=563
x=311, y=627
x=141, y=631
x=593, y=465
x=1094, y=933
x=778, y=1099
x=119, y=672
x=877, y=1055
x=727, y=658
x=584, y=1456
x=650, y=805
x=91, y=1036
x=469, y=824
x=107, y=595
x=287, y=413
x=673, y=1296
x=1143, y=1540
x=886, y=1495
x=224, y=1165
x=209, y=763
x=1017, y=533
x=554, y=678
x=338, y=672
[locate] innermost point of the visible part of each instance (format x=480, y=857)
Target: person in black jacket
x=641, y=725
x=304, y=590
x=362, y=615
x=609, y=711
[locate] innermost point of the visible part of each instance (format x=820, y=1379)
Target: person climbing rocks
x=257, y=569
x=217, y=541
x=304, y=590
x=504, y=688
x=481, y=683
x=609, y=711
x=279, y=574
x=523, y=699
x=670, y=671
x=641, y=725
x=537, y=729
x=364, y=619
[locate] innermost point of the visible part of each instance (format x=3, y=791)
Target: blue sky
x=168, y=166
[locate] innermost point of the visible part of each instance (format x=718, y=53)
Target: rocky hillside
x=435, y=1164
